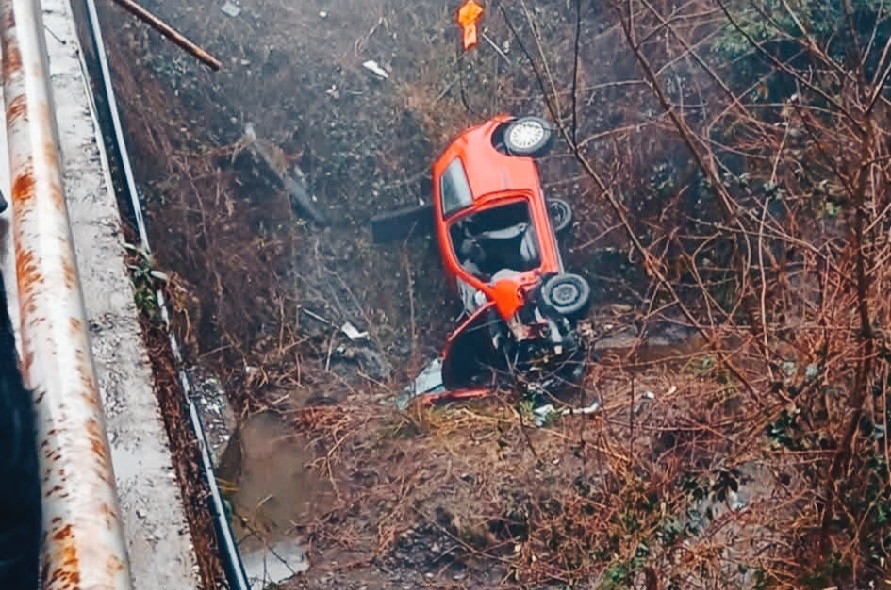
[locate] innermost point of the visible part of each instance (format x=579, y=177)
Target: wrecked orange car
x=499, y=239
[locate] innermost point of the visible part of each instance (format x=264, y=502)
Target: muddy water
x=271, y=484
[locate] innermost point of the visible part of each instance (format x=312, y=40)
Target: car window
x=454, y=188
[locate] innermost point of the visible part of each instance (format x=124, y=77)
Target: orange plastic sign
x=508, y=300
x=468, y=16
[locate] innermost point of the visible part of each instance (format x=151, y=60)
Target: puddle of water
x=266, y=467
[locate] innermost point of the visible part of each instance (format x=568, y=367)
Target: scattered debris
x=315, y=316
x=301, y=200
x=545, y=413
x=231, y=9
x=213, y=408
x=278, y=168
x=275, y=564
x=371, y=362
x=375, y=69
x=498, y=50
x=352, y=332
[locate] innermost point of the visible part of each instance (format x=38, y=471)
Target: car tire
x=528, y=136
x=561, y=216
x=401, y=224
x=566, y=294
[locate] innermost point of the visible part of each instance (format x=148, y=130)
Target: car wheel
x=561, y=215
x=567, y=294
x=528, y=136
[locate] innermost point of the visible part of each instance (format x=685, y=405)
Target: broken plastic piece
x=428, y=381
x=352, y=332
x=373, y=67
x=542, y=414
x=231, y=9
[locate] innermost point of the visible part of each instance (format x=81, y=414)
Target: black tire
x=566, y=294
x=561, y=216
x=401, y=224
x=528, y=136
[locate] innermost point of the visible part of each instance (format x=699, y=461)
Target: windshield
x=454, y=188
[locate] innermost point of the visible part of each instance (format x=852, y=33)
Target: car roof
x=489, y=170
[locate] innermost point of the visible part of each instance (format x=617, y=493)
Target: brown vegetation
x=735, y=153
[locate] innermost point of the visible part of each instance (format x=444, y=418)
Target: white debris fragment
x=275, y=564
x=231, y=9
x=592, y=408
x=543, y=414
x=323, y=14
x=352, y=332
x=373, y=67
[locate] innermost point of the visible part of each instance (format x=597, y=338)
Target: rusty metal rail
x=83, y=538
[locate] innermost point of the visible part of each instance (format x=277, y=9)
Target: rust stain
x=24, y=187
x=67, y=574
x=75, y=324
x=57, y=197
x=13, y=62
x=92, y=426
x=16, y=109
x=46, y=116
x=104, y=475
x=99, y=451
x=26, y=269
x=108, y=511
x=86, y=381
x=44, y=571
x=114, y=565
x=9, y=21
x=51, y=160
x=65, y=531
x=97, y=442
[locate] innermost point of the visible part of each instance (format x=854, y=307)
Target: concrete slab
x=158, y=540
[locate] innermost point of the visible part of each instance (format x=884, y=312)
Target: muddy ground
x=467, y=497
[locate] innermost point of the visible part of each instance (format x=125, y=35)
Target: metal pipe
x=83, y=545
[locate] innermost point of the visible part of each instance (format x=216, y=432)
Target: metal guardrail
x=83, y=537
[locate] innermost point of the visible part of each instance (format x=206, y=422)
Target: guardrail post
x=83, y=546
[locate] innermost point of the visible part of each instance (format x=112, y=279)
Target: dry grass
x=758, y=461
